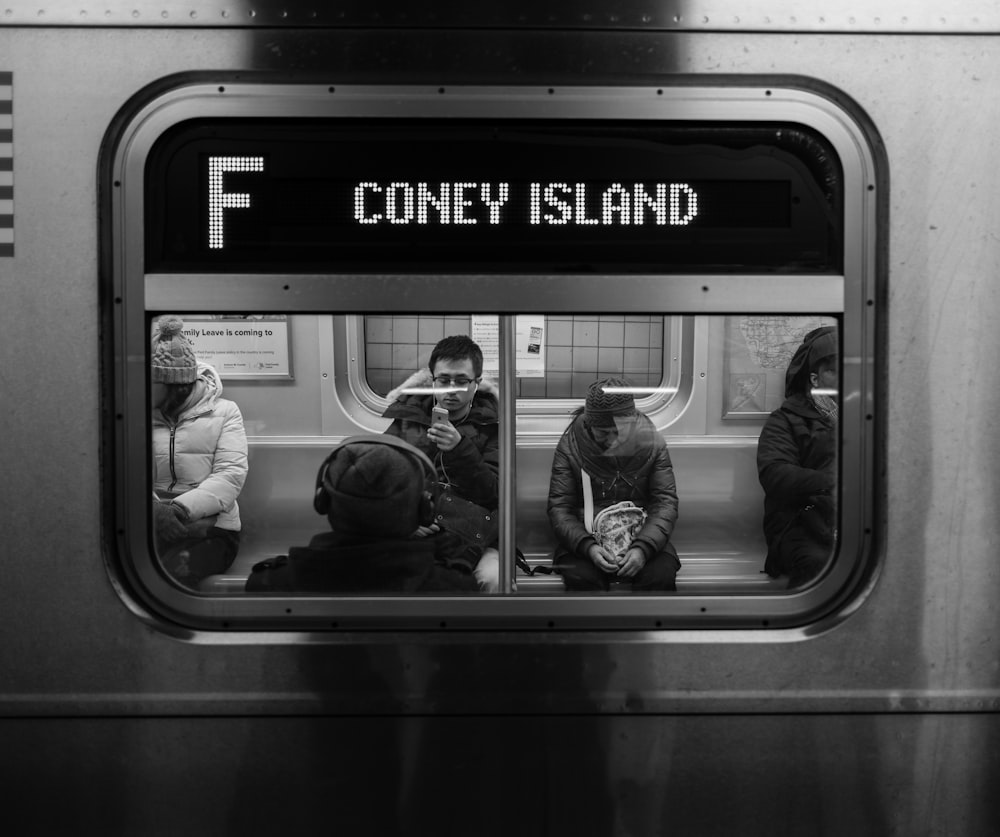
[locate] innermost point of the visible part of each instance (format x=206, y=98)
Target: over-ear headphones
x=425, y=514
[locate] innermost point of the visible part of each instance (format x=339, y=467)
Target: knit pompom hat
x=173, y=356
x=605, y=400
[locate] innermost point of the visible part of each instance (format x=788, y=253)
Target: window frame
x=136, y=295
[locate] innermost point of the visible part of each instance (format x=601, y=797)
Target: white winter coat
x=201, y=461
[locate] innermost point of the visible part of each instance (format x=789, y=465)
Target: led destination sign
x=547, y=203
x=419, y=196
x=442, y=204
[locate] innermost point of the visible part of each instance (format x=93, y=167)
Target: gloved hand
x=170, y=521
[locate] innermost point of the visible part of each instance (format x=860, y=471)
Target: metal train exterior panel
x=882, y=717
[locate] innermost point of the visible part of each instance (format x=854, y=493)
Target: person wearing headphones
x=451, y=413
x=376, y=492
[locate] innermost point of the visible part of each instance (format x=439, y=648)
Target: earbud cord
x=440, y=456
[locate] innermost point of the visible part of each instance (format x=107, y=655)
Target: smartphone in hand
x=439, y=415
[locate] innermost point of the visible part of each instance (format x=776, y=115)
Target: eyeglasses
x=461, y=382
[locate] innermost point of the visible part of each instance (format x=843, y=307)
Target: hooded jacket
x=472, y=467
x=797, y=450
x=201, y=459
x=638, y=469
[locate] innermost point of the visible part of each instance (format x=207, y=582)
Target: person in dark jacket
x=623, y=457
x=375, y=493
x=797, y=463
x=465, y=448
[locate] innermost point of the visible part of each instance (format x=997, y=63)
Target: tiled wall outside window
x=579, y=349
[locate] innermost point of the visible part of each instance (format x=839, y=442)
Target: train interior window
x=558, y=355
x=264, y=482
x=629, y=478
x=665, y=496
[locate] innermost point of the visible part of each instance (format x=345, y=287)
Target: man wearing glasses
x=450, y=413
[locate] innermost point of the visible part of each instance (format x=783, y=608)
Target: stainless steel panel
x=927, y=639
x=485, y=293
x=848, y=16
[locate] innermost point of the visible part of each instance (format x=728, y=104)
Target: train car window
x=247, y=496
x=557, y=355
x=627, y=494
x=562, y=364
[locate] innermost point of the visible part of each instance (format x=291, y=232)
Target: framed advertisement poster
x=757, y=351
x=243, y=347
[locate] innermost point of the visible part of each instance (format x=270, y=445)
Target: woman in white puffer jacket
x=199, y=460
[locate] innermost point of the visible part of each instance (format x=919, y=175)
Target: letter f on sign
x=219, y=199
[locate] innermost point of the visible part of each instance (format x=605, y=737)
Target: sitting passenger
x=199, y=460
x=376, y=492
x=611, y=453
x=797, y=463
x=463, y=445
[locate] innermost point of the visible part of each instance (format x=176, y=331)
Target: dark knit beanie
x=374, y=490
x=823, y=349
x=603, y=403
x=173, y=356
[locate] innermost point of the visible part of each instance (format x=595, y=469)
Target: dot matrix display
x=219, y=199
x=397, y=195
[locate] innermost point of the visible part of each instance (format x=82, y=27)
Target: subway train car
x=648, y=205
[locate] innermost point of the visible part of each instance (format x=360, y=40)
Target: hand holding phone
x=439, y=415
x=442, y=432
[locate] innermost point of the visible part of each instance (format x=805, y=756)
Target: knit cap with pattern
x=173, y=356
x=605, y=400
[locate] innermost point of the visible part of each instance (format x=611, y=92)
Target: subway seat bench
x=718, y=534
